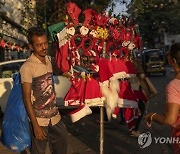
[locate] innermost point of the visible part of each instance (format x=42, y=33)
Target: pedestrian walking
x=39, y=97
x=172, y=114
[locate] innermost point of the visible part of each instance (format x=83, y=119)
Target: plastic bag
x=15, y=129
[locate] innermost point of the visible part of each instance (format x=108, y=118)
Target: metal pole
x=102, y=130
x=102, y=115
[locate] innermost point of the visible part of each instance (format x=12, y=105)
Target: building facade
x=16, y=16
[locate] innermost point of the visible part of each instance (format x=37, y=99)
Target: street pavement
x=84, y=135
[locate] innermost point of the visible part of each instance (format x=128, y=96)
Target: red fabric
x=87, y=49
x=76, y=91
x=140, y=95
x=116, y=34
x=92, y=89
x=64, y=60
x=98, y=45
x=104, y=71
x=111, y=47
x=116, y=65
x=3, y=44
x=88, y=17
x=122, y=53
x=116, y=111
x=130, y=68
x=130, y=115
x=138, y=42
x=126, y=91
x=73, y=11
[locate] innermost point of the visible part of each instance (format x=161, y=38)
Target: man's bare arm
x=38, y=131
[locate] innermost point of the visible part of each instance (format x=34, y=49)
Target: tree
x=28, y=14
x=54, y=11
x=155, y=16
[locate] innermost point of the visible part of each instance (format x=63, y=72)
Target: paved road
x=84, y=134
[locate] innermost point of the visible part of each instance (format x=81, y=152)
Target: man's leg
x=141, y=106
x=38, y=146
x=58, y=138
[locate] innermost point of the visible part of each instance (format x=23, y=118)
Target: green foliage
x=155, y=16
x=27, y=12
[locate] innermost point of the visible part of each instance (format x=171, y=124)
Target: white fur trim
x=93, y=53
x=111, y=96
x=125, y=103
x=62, y=37
x=105, y=83
x=95, y=101
x=119, y=75
x=80, y=113
x=114, y=116
x=104, y=86
x=71, y=103
x=95, y=67
x=114, y=85
x=130, y=76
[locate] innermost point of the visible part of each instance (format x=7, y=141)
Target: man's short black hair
x=34, y=31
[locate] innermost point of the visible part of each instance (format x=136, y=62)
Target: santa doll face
x=84, y=30
x=71, y=31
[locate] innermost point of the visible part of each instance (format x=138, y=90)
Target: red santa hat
x=118, y=68
x=73, y=11
x=75, y=95
x=130, y=70
x=88, y=17
x=104, y=70
x=79, y=113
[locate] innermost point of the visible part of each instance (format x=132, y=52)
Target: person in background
x=172, y=113
x=39, y=97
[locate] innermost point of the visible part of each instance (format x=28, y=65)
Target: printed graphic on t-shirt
x=44, y=100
